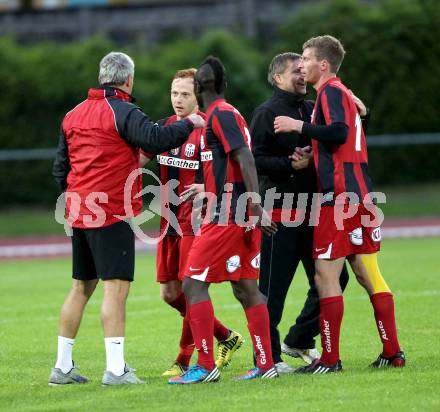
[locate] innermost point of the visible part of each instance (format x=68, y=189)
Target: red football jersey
x=225, y=131
x=183, y=165
x=343, y=167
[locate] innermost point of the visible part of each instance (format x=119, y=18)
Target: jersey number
x=248, y=136
x=358, y=126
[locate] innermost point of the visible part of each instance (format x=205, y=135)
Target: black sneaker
x=318, y=368
x=396, y=361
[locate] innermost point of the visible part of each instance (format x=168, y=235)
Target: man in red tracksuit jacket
x=97, y=151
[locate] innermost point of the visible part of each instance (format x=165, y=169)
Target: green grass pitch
x=31, y=293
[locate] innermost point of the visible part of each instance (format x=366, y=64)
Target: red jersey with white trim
x=183, y=165
x=225, y=131
x=340, y=167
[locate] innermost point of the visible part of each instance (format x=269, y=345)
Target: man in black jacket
x=281, y=253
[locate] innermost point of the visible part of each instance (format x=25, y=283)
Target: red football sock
x=221, y=332
x=330, y=319
x=179, y=304
x=383, y=305
x=202, y=327
x=258, y=325
x=186, y=339
x=186, y=343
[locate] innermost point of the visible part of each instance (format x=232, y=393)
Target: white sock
x=114, y=350
x=64, y=358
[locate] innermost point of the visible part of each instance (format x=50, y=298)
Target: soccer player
x=282, y=253
x=183, y=164
x=348, y=227
x=225, y=250
x=97, y=151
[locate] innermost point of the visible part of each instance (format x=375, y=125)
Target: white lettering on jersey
x=176, y=162
x=206, y=156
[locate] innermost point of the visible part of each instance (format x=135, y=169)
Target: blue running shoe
x=196, y=374
x=259, y=373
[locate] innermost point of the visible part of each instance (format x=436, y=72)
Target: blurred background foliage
x=392, y=63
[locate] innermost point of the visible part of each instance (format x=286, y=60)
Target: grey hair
x=115, y=68
x=279, y=64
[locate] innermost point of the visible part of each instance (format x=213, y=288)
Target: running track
x=55, y=246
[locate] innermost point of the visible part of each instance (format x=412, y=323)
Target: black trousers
x=280, y=257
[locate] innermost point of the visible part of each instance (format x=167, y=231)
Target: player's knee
x=262, y=297
x=195, y=291
x=239, y=294
x=358, y=269
x=187, y=288
x=116, y=289
x=248, y=296
x=361, y=278
x=168, y=295
x=359, y=273
x=170, y=291
x=83, y=288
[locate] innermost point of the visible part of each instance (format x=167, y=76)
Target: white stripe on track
x=61, y=249
x=410, y=232
x=53, y=249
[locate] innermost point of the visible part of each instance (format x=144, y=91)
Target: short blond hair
x=327, y=48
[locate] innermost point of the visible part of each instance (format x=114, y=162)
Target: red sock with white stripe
x=383, y=305
x=330, y=319
x=202, y=327
x=258, y=325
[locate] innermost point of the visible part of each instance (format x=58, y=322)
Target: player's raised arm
x=139, y=131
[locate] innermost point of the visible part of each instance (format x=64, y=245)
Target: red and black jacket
x=98, y=149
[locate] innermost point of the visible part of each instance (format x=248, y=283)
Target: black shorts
x=103, y=253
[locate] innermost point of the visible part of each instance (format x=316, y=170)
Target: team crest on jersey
x=356, y=237
x=255, y=262
x=233, y=263
x=202, y=142
x=190, y=150
x=175, y=152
